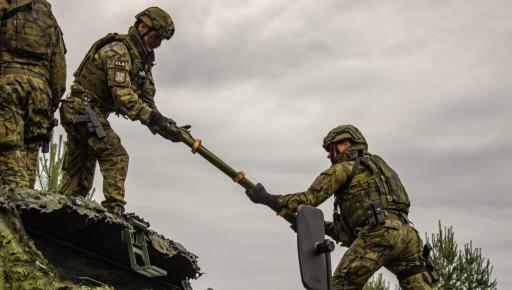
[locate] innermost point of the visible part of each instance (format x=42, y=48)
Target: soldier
x=114, y=77
x=32, y=81
x=371, y=207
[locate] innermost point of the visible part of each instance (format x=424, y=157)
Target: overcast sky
x=261, y=82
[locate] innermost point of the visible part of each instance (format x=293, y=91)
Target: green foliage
x=458, y=269
x=49, y=167
x=464, y=268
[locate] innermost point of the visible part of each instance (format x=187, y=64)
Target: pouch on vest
x=27, y=29
x=396, y=195
x=392, y=192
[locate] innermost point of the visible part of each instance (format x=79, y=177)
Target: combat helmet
x=158, y=20
x=344, y=132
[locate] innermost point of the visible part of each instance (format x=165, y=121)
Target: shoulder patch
x=119, y=76
x=120, y=63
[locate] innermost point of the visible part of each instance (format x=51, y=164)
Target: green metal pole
x=237, y=176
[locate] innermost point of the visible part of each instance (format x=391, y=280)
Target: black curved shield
x=310, y=232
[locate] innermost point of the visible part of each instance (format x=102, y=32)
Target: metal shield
x=310, y=232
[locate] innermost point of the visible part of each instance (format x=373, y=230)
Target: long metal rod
x=237, y=176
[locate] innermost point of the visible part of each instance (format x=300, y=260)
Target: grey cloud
x=263, y=81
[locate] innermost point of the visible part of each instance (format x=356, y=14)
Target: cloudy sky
x=428, y=82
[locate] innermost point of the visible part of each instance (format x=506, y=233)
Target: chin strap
x=333, y=153
x=145, y=33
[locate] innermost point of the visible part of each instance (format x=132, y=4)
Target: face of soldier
x=337, y=149
x=151, y=38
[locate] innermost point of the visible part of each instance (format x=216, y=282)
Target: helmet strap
x=147, y=32
x=333, y=152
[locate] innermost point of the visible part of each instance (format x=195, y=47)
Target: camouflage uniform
x=114, y=77
x=359, y=180
x=32, y=81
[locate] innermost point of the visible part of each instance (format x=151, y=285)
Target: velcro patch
x=120, y=76
x=120, y=63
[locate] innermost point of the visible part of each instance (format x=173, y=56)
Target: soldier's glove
x=331, y=231
x=165, y=126
x=259, y=194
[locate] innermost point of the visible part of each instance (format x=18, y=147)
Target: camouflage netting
x=86, y=228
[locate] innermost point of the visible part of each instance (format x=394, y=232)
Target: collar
x=350, y=154
x=134, y=36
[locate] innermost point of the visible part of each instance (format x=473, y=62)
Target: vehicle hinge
x=138, y=251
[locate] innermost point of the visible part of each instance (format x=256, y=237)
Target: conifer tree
x=49, y=168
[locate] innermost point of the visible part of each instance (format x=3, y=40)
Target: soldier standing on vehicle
x=371, y=207
x=114, y=77
x=32, y=81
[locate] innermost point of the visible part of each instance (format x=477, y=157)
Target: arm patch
x=118, y=72
x=120, y=63
x=119, y=76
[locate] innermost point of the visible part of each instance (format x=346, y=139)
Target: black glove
x=259, y=194
x=164, y=126
x=331, y=231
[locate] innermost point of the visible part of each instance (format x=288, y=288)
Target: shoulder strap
x=131, y=50
x=24, y=7
x=345, y=185
x=109, y=38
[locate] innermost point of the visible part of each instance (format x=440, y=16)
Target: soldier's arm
x=117, y=62
x=57, y=81
x=324, y=186
x=3, y=8
x=149, y=90
x=149, y=98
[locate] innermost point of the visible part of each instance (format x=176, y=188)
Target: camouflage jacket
x=116, y=75
x=31, y=39
x=366, y=186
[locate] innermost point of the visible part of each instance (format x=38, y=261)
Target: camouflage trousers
x=22, y=266
x=25, y=109
x=84, y=149
x=394, y=245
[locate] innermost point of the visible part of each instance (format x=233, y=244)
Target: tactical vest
x=27, y=29
x=94, y=78
x=382, y=184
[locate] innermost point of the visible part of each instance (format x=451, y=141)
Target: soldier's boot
x=114, y=208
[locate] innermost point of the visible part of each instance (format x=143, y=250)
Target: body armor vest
x=28, y=30
x=373, y=181
x=94, y=78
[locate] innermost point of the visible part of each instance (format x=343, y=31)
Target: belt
x=389, y=215
x=22, y=71
x=91, y=98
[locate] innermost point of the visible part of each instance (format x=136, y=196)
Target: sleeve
x=57, y=80
x=324, y=186
x=117, y=62
x=3, y=8
x=149, y=97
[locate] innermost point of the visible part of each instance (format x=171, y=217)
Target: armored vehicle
x=93, y=247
